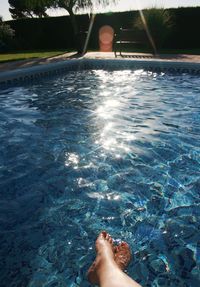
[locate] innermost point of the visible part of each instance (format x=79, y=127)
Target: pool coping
x=29, y=74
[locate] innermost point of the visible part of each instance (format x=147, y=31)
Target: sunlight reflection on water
x=115, y=131
x=94, y=150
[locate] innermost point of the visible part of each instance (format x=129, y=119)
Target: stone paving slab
x=96, y=55
x=166, y=57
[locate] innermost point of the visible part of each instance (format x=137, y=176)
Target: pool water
x=100, y=150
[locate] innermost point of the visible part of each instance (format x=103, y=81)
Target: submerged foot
x=104, y=250
x=122, y=255
x=108, y=255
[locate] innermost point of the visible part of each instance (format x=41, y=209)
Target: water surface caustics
x=95, y=150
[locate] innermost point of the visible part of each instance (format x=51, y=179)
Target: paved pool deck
x=97, y=55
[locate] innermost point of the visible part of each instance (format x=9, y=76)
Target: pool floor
x=100, y=150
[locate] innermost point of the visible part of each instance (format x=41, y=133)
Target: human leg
x=106, y=271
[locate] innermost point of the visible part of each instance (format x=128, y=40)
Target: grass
x=24, y=55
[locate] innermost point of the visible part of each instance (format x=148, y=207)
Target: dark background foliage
x=56, y=32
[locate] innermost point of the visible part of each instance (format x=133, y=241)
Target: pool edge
x=24, y=75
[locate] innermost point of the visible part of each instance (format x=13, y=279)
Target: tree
x=72, y=6
x=29, y=8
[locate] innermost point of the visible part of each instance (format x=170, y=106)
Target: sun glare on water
x=114, y=134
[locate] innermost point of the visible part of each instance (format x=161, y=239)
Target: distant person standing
x=106, y=36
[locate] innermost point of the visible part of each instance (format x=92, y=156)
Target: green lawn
x=23, y=55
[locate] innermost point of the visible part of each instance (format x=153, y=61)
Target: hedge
x=56, y=32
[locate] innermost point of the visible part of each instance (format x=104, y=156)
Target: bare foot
x=122, y=255
x=119, y=256
x=104, y=249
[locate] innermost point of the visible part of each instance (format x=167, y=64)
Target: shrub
x=159, y=24
x=6, y=36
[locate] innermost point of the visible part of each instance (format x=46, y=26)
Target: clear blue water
x=95, y=150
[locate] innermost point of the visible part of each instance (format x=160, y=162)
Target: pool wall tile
x=26, y=75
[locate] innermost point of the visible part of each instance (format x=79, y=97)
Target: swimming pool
x=94, y=150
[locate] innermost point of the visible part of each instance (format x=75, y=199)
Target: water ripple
x=97, y=150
